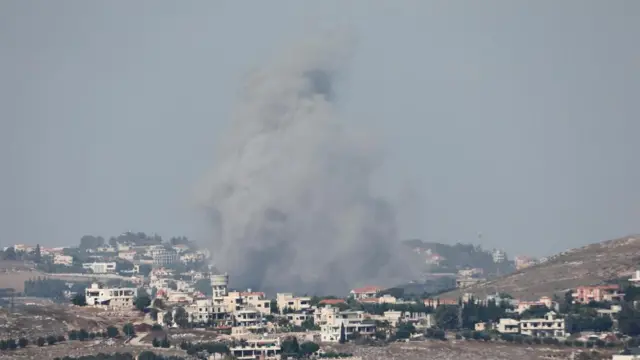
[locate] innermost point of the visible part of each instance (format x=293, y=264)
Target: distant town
x=163, y=291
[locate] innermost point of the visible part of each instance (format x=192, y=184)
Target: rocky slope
x=588, y=265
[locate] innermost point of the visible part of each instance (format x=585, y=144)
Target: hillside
x=588, y=265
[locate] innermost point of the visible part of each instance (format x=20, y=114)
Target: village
x=168, y=293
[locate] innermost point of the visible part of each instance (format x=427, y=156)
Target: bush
x=73, y=335
x=61, y=338
x=3, y=345
x=51, y=340
x=83, y=335
x=112, y=332
x=156, y=343
x=11, y=344
x=40, y=341
x=458, y=336
x=23, y=342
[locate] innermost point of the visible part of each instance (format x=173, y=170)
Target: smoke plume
x=290, y=194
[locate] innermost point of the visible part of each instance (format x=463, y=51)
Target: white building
x=162, y=256
x=100, y=267
x=219, y=284
x=508, y=326
x=112, y=298
x=299, y=318
x=498, y=256
x=549, y=326
x=207, y=312
x=63, y=259
x=635, y=279
x=365, y=292
x=128, y=255
x=288, y=301
x=351, y=321
x=266, y=349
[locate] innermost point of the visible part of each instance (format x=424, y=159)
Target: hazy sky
x=516, y=119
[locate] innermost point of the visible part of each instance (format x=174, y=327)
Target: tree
x=165, y=343
x=10, y=254
x=155, y=342
x=446, y=317
x=11, y=344
x=308, y=347
x=181, y=318
x=51, y=340
x=112, y=332
x=23, y=342
x=167, y=319
x=128, y=329
x=79, y=300
x=629, y=321
x=156, y=327
x=73, y=335
x=38, y=255
x=290, y=346
x=343, y=335
x=90, y=242
x=142, y=301
x=61, y=338
x=145, y=269
x=83, y=335
x=40, y=341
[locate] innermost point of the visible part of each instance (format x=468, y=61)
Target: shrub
x=11, y=344
x=40, y=341
x=458, y=336
x=61, y=338
x=112, y=331
x=73, y=335
x=51, y=340
x=23, y=342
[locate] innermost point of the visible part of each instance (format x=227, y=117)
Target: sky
x=513, y=124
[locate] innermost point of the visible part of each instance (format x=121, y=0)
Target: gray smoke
x=290, y=194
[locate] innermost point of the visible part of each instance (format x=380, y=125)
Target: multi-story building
x=549, y=326
x=112, y=298
x=205, y=311
x=586, y=294
x=508, y=326
x=128, y=255
x=351, y=321
x=365, y=292
x=63, y=259
x=219, y=284
x=498, y=256
x=238, y=300
x=162, y=256
x=266, y=349
x=288, y=301
x=298, y=318
x=544, y=301
x=100, y=267
x=464, y=281
x=246, y=318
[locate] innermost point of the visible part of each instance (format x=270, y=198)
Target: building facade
x=100, y=267
x=112, y=298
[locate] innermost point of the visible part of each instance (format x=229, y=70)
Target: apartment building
x=394, y=317
x=586, y=294
x=112, y=298
x=298, y=318
x=351, y=321
x=266, y=349
x=246, y=318
x=238, y=300
x=288, y=301
x=543, y=301
x=162, y=256
x=63, y=259
x=549, y=326
x=205, y=311
x=100, y=267
x=508, y=326
x=365, y=292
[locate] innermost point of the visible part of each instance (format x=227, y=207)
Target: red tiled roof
x=366, y=290
x=332, y=301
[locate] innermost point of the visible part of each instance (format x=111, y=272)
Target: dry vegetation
x=588, y=265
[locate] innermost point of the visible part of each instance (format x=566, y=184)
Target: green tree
x=181, y=318
x=112, y=332
x=290, y=346
x=308, y=347
x=83, y=335
x=142, y=301
x=10, y=254
x=128, y=329
x=73, y=335
x=147, y=355
x=23, y=342
x=343, y=334
x=37, y=255
x=3, y=345
x=167, y=319
x=40, y=341
x=446, y=317
x=155, y=342
x=61, y=338
x=79, y=300
x=165, y=343
x=51, y=340
x=629, y=320
x=11, y=344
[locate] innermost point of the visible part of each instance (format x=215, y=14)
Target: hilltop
x=589, y=265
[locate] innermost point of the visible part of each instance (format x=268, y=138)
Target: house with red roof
x=365, y=292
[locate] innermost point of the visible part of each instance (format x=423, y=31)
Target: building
x=128, y=255
x=351, y=321
x=298, y=318
x=549, y=326
x=112, y=298
x=598, y=293
x=219, y=284
x=544, y=301
x=635, y=279
x=63, y=259
x=205, y=311
x=394, y=317
x=162, y=256
x=265, y=349
x=288, y=301
x=523, y=262
x=365, y=292
x=498, y=256
x=508, y=326
x=464, y=282
x=238, y=300
x=434, y=303
x=246, y=318
x=100, y=267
